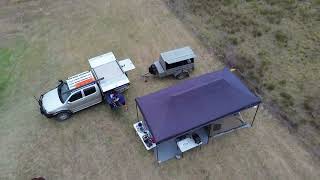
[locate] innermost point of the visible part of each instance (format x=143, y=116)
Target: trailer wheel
x=182, y=75
x=63, y=116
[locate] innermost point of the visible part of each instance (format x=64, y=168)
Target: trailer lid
x=127, y=65
x=177, y=55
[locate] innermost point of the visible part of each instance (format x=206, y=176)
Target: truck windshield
x=63, y=91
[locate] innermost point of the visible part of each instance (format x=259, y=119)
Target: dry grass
x=274, y=44
x=59, y=36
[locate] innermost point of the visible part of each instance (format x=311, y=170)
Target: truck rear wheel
x=182, y=75
x=63, y=116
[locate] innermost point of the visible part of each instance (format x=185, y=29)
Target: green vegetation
x=5, y=55
x=5, y=67
x=274, y=45
x=8, y=59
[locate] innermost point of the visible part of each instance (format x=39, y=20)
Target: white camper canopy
x=113, y=72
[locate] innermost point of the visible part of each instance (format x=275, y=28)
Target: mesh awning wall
x=194, y=103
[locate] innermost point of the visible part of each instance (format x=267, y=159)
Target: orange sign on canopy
x=84, y=82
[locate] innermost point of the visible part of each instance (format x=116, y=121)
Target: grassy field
x=42, y=41
x=9, y=57
x=274, y=45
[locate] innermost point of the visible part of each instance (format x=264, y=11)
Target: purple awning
x=194, y=103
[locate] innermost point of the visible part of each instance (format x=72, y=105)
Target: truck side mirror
x=60, y=81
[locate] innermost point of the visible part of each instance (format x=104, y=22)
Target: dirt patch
x=100, y=144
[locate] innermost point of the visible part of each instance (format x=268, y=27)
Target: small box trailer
x=104, y=82
x=178, y=62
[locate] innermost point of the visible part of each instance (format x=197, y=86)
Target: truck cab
x=84, y=98
x=70, y=96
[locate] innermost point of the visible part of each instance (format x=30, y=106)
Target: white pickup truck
x=106, y=80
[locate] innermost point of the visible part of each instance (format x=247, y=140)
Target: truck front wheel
x=63, y=116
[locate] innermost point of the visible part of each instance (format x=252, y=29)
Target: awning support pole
x=254, y=117
x=157, y=154
x=210, y=130
x=210, y=134
x=137, y=111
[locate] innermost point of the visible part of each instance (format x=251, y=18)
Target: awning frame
x=226, y=89
x=206, y=124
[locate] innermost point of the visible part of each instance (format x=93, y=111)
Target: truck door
x=92, y=96
x=75, y=102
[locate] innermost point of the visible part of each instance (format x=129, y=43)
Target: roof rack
x=80, y=80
